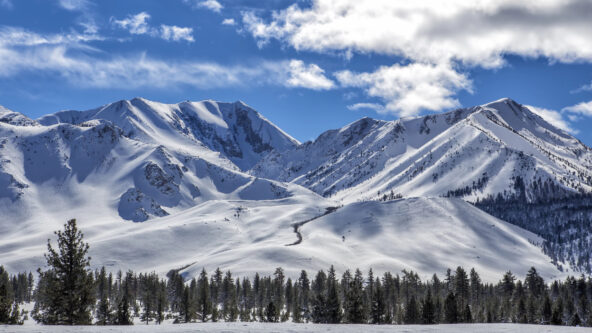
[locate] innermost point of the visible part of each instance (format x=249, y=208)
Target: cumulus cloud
x=475, y=32
x=308, y=76
x=175, y=33
x=228, y=21
x=135, y=24
x=407, y=89
x=138, y=25
x=553, y=117
x=438, y=36
x=212, y=5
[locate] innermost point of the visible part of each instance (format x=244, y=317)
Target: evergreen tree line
x=70, y=293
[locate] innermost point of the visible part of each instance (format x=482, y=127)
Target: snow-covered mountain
x=234, y=130
x=216, y=184
x=140, y=158
x=497, y=148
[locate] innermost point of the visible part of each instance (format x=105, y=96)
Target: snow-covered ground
x=293, y=328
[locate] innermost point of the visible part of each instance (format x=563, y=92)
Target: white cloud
x=26, y=52
x=308, y=76
x=583, y=109
x=74, y=4
x=361, y=106
x=175, y=33
x=12, y=36
x=138, y=25
x=586, y=87
x=436, y=35
x=553, y=117
x=212, y=5
x=406, y=90
x=474, y=32
x=228, y=21
x=135, y=24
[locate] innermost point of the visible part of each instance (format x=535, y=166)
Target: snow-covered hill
x=426, y=235
x=216, y=184
x=497, y=148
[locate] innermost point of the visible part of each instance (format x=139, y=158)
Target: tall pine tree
x=71, y=297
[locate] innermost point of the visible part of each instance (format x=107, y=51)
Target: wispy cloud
x=212, y=5
x=138, y=25
x=586, y=87
x=74, y=4
x=583, y=109
x=65, y=56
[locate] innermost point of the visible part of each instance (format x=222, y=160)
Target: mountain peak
x=15, y=118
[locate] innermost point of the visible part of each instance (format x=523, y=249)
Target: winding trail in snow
x=297, y=225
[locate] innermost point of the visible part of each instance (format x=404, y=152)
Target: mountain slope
x=496, y=148
x=426, y=235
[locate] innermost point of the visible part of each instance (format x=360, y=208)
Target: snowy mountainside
x=14, y=118
x=216, y=184
x=248, y=236
x=478, y=152
x=139, y=168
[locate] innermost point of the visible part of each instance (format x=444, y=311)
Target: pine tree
x=271, y=313
x=6, y=298
x=304, y=295
x=450, y=309
x=123, y=314
x=185, y=312
x=354, y=304
x=378, y=309
x=575, y=320
x=546, y=311
x=411, y=312
x=461, y=287
x=557, y=315
x=427, y=310
x=204, y=302
x=103, y=312
x=534, y=283
x=71, y=297
x=161, y=303
x=333, y=303
x=467, y=315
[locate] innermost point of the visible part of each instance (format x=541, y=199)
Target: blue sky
x=308, y=66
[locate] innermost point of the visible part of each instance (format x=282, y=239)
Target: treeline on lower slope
x=70, y=293
x=563, y=221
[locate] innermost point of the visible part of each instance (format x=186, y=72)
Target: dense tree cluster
x=564, y=223
x=70, y=293
x=14, y=290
